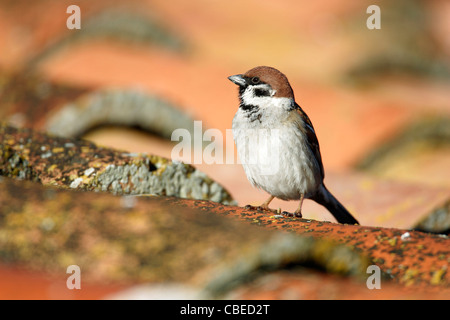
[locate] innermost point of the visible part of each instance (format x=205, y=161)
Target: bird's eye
x=255, y=80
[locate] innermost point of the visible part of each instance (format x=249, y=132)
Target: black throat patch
x=251, y=111
x=250, y=108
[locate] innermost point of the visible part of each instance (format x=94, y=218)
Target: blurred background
x=379, y=99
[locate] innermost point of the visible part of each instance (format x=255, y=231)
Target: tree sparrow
x=272, y=127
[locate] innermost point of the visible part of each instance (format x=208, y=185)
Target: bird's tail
x=326, y=199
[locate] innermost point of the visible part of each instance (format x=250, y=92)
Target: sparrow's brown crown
x=276, y=79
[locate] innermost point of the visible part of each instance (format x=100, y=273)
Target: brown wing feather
x=311, y=137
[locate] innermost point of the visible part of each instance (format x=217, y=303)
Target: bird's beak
x=237, y=79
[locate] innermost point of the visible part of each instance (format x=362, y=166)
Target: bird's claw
x=292, y=215
x=259, y=208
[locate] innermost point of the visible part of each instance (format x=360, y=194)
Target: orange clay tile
x=408, y=257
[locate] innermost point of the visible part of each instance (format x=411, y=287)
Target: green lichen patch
x=118, y=107
x=81, y=165
x=134, y=239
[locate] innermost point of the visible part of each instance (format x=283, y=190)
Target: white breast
x=274, y=154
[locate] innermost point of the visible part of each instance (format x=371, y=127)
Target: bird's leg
x=298, y=212
x=264, y=206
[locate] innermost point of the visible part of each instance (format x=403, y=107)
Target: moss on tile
x=81, y=165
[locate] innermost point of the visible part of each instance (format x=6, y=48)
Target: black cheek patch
x=261, y=93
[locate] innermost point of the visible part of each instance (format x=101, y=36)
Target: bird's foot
x=260, y=208
x=296, y=214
